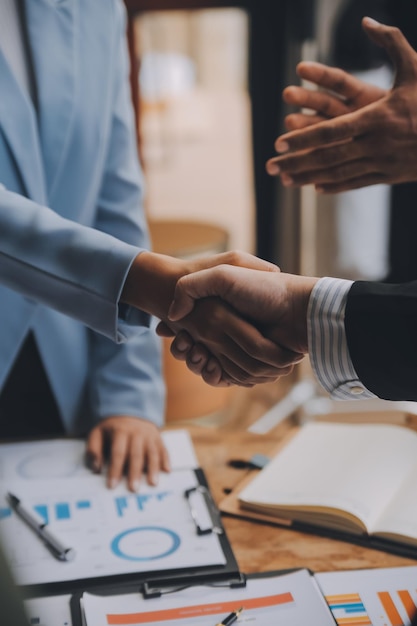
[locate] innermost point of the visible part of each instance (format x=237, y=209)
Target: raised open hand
x=377, y=143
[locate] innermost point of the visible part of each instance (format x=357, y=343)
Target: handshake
x=234, y=319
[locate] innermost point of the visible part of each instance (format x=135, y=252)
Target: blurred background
x=207, y=77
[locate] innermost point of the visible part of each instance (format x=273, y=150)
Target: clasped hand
x=264, y=304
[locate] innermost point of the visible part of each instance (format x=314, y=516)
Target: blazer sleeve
x=71, y=268
x=125, y=379
x=381, y=331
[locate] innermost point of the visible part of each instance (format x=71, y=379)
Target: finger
x=241, y=259
x=199, y=361
x=213, y=375
x=331, y=78
x=332, y=131
x=136, y=462
x=337, y=175
x=316, y=160
x=163, y=330
x=238, y=368
x=354, y=183
x=295, y=121
x=118, y=457
x=153, y=462
x=397, y=46
x=181, y=345
x=319, y=101
x=243, y=378
x=165, y=460
x=248, y=357
x=232, y=258
x=194, y=286
x=94, y=450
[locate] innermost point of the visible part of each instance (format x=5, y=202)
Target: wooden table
x=262, y=547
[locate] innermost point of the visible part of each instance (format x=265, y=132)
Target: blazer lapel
x=51, y=34
x=19, y=127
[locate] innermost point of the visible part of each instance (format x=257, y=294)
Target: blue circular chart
x=145, y=543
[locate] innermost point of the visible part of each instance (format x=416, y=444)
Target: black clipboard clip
x=203, y=510
x=155, y=588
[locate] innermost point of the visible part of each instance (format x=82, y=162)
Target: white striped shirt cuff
x=328, y=349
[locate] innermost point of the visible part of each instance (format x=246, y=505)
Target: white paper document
x=50, y=611
x=293, y=600
x=64, y=458
x=374, y=597
x=112, y=531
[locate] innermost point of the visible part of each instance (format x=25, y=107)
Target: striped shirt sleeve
x=328, y=349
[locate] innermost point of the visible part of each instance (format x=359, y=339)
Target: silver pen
x=58, y=549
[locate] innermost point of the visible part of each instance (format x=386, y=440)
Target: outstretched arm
x=371, y=136
x=246, y=356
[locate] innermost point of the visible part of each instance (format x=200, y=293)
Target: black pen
x=58, y=549
x=230, y=619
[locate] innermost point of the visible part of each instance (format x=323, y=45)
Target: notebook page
x=357, y=468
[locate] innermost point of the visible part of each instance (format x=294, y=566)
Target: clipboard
x=155, y=584
x=206, y=521
x=169, y=534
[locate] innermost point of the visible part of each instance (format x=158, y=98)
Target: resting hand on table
x=245, y=355
x=369, y=136
x=276, y=303
x=130, y=445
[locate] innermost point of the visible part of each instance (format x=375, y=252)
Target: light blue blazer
x=74, y=161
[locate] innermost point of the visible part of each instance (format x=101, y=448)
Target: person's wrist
x=299, y=292
x=150, y=283
x=307, y=284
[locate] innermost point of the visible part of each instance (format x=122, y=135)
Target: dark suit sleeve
x=381, y=331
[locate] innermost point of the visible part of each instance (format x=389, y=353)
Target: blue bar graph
x=121, y=505
x=359, y=607
x=42, y=510
x=62, y=511
x=83, y=504
x=142, y=500
x=5, y=513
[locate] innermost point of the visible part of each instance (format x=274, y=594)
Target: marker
x=58, y=549
x=230, y=619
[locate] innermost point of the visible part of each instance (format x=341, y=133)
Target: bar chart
x=381, y=597
x=111, y=531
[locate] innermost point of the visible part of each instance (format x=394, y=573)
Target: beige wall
x=197, y=143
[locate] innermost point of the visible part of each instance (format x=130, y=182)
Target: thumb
x=192, y=287
x=401, y=53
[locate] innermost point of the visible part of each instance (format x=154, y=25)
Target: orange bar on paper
x=354, y=621
x=199, y=610
x=390, y=608
x=408, y=603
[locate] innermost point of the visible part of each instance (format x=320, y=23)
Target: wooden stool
x=185, y=239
